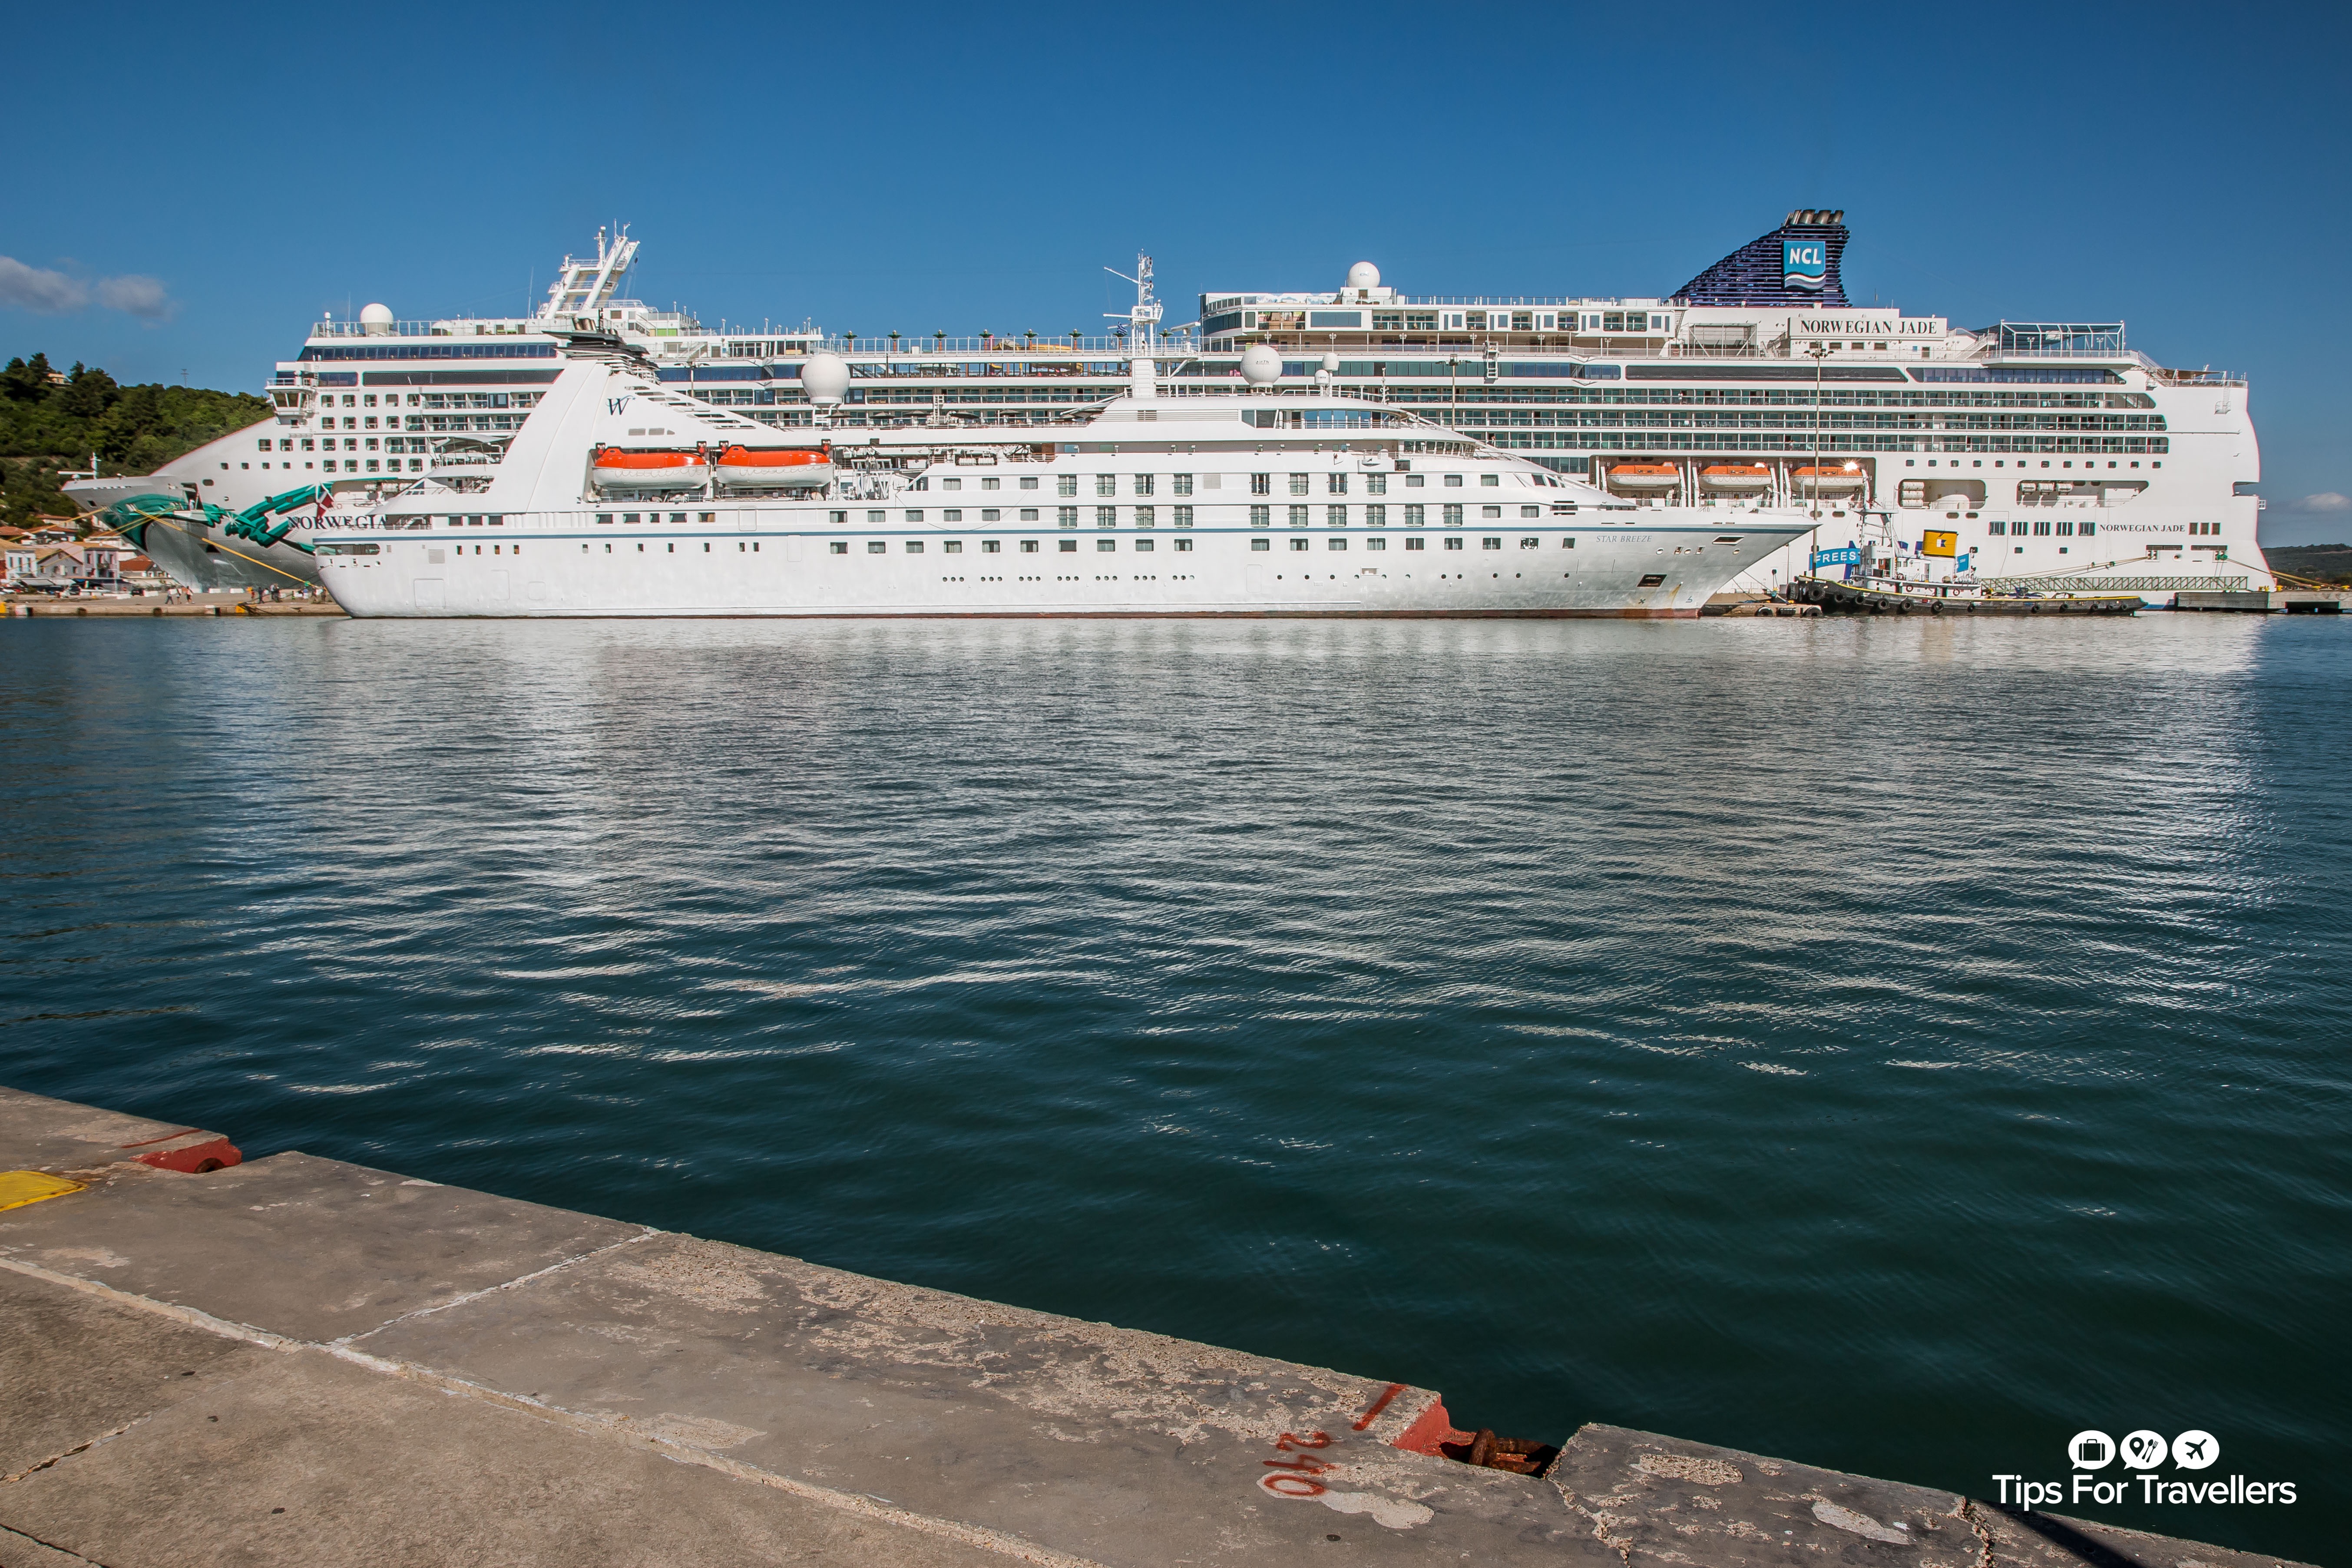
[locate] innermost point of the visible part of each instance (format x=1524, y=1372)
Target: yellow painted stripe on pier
x=18, y=1188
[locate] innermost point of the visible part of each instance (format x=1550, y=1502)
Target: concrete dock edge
x=297, y=1359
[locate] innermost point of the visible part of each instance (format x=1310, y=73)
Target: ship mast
x=1142, y=330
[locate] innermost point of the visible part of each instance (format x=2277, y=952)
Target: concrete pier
x=294, y=1360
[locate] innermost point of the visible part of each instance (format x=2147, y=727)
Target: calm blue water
x=1893, y=1047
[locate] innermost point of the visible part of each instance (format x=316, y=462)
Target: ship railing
x=2195, y=377
x=1044, y=347
x=421, y=329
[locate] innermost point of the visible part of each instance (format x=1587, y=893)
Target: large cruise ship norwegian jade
x=2030, y=457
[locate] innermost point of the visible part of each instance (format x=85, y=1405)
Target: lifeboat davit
x=618, y=470
x=1749, y=477
x=1821, y=481
x=1645, y=476
x=768, y=468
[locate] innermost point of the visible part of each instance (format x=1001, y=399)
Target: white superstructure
x=621, y=497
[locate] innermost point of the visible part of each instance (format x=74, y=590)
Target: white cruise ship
x=619, y=497
x=2025, y=456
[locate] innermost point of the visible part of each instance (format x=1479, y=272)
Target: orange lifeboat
x=1736, y=477
x=1645, y=476
x=620, y=470
x=775, y=468
x=1820, y=480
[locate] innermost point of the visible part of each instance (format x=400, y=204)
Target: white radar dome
x=375, y=320
x=825, y=378
x=1363, y=275
x=1330, y=364
x=1261, y=364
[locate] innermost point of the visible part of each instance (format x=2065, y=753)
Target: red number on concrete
x=1292, y=1486
x=1304, y=1467
x=1315, y=1439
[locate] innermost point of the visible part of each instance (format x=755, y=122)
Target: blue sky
x=192, y=189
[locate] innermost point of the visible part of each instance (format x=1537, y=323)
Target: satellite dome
x=825, y=378
x=1330, y=364
x=375, y=320
x=1363, y=275
x=1262, y=364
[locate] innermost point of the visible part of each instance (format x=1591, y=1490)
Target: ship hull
x=1655, y=571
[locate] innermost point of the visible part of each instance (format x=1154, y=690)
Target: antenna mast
x=1142, y=330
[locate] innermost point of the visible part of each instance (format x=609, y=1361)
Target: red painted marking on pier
x=212, y=1155
x=1378, y=1405
x=1429, y=1432
x=166, y=1138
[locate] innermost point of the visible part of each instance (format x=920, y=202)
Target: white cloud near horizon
x=2325, y=501
x=50, y=293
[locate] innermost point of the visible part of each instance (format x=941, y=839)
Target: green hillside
x=2319, y=563
x=46, y=427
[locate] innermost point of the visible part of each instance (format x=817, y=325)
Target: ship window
x=1146, y=517
x=1530, y=511
x=1340, y=543
x=1066, y=485
x=1415, y=544
x=990, y=547
x=1529, y=542
x=836, y=516
x=914, y=547
x=1298, y=484
x=840, y=546
x=1028, y=514
x=1139, y=545
x=1298, y=516
x=1261, y=484
x=1184, y=517
x=1106, y=517
x=2065, y=529
x=1413, y=516
x=1454, y=481
x=1183, y=544
x=1490, y=478
x=992, y=484
x=625, y=517
x=1028, y=547
x=1179, y=484
x=1376, y=517
x=1568, y=543
x=604, y=517
x=872, y=516
x=2042, y=527
x=1300, y=543
x=1996, y=529
x=1414, y=481
x=1069, y=547
x=1490, y=512
x=1376, y=544
x=1453, y=544
x=1490, y=544
x=1653, y=579
x=1261, y=544
x=1067, y=516
x=991, y=514
x=1143, y=484
x=1336, y=483
x=1106, y=484
x=1336, y=516
x=1030, y=483
x=952, y=514
x=912, y=516
x=1453, y=517
x=1261, y=517
x=875, y=547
